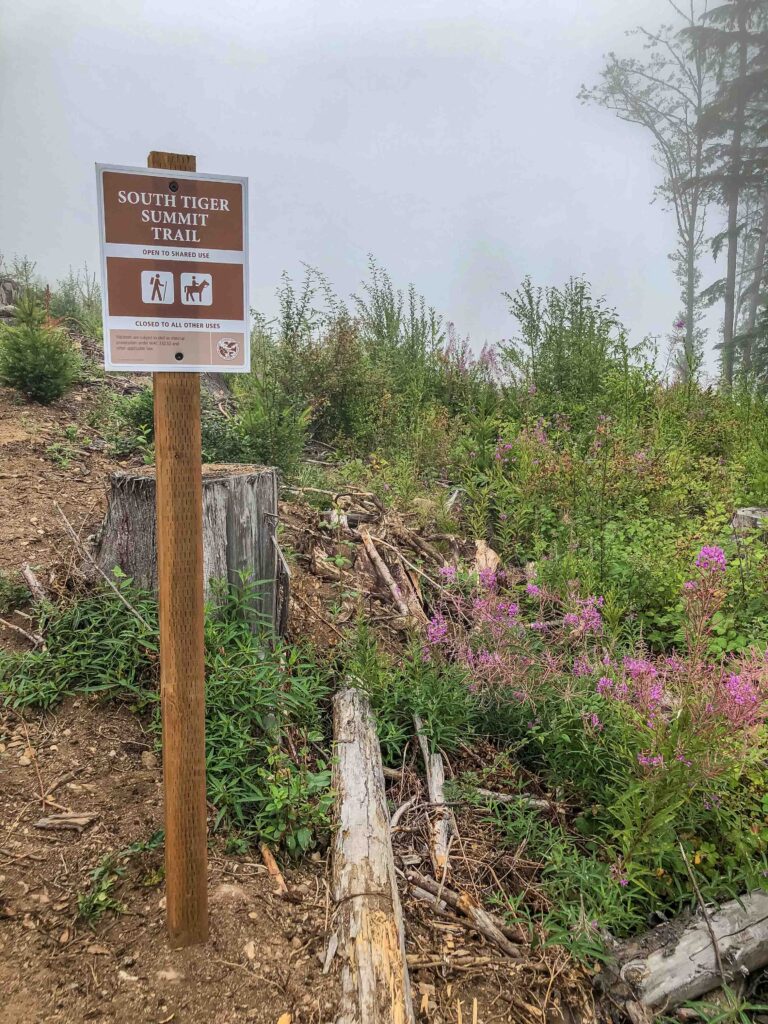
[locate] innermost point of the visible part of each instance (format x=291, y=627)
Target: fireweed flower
x=648, y=760
x=738, y=702
x=593, y=721
x=448, y=572
x=488, y=578
x=587, y=619
x=637, y=667
x=437, y=629
x=604, y=684
x=533, y=590
x=711, y=559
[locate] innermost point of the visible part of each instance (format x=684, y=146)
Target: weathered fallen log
x=443, y=823
x=369, y=934
x=239, y=518
x=483, y=923
x=687, y=969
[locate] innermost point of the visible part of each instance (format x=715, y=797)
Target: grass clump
x=266, y=752
x=12, y=592
x=407, y=685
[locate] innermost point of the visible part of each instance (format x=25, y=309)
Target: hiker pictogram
x=157, y=287
x=197, y=289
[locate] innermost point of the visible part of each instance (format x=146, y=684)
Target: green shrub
x=131, y=425
x=77, y=299
x=38, y=360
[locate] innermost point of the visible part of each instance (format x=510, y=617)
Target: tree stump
x=239, y=538
x=746, y=519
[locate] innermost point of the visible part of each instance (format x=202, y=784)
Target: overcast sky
x=444, y=137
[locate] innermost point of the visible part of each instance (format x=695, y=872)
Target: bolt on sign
x=174, y=258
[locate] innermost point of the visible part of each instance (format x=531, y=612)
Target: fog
x=445, y=138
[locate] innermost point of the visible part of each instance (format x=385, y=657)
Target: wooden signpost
x=174, y=265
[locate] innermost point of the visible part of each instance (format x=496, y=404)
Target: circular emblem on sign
x=228, y=348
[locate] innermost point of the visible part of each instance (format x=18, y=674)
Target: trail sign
x=174, y=258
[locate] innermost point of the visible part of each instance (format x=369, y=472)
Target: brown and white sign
x=174, y=258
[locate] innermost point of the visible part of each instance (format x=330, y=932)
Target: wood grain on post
x=182, y=652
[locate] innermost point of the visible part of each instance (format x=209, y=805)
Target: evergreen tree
x=733, y=127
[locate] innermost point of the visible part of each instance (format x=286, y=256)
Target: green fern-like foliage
x=36, y=359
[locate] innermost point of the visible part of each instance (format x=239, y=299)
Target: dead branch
x=443, y=823
x=480, y=919
x=36, y=588
x=274, y=871
x=386, y=577
x=34, y=638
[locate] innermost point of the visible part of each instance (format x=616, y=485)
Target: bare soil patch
x=264, y=954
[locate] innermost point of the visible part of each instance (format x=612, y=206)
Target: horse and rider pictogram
x=196, y=289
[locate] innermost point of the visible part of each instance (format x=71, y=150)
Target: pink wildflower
x=711, y=559
x=650, y=760
x=437, y=629
x=488, y=578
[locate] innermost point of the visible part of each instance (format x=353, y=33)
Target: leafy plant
x=651, y=752
x=105, y=877
x=402, y=687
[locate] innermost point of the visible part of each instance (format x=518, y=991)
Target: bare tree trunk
x=369, y=937
x=733, y=190
x=757, y=281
